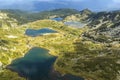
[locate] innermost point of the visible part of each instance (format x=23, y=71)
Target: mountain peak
x=86, y=11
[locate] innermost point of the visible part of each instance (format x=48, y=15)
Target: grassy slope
x=12, y=48
x=93, y=61
x=83, y=58
x=56, y=43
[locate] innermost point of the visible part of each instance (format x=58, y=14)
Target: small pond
x=74, y=24
x=57, y=19
x=34, y=33
x=35, y=65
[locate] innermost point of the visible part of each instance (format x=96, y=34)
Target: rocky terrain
x=102, y=26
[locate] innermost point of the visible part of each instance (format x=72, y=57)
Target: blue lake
x=37, y=64
x=57, y=19
x=74, y=24
x=34, y=33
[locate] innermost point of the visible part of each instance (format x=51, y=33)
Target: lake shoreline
x=53, y=74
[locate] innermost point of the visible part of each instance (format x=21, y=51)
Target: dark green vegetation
x=24, y=17
x=91, y=61
x=92, y=52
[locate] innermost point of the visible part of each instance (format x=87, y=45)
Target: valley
x=91, y=52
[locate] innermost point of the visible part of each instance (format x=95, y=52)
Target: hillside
x=102, y=26
x=6, y=21
x=91, y=52
x=24, y=17
x=14, y=43
x=82, y=16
